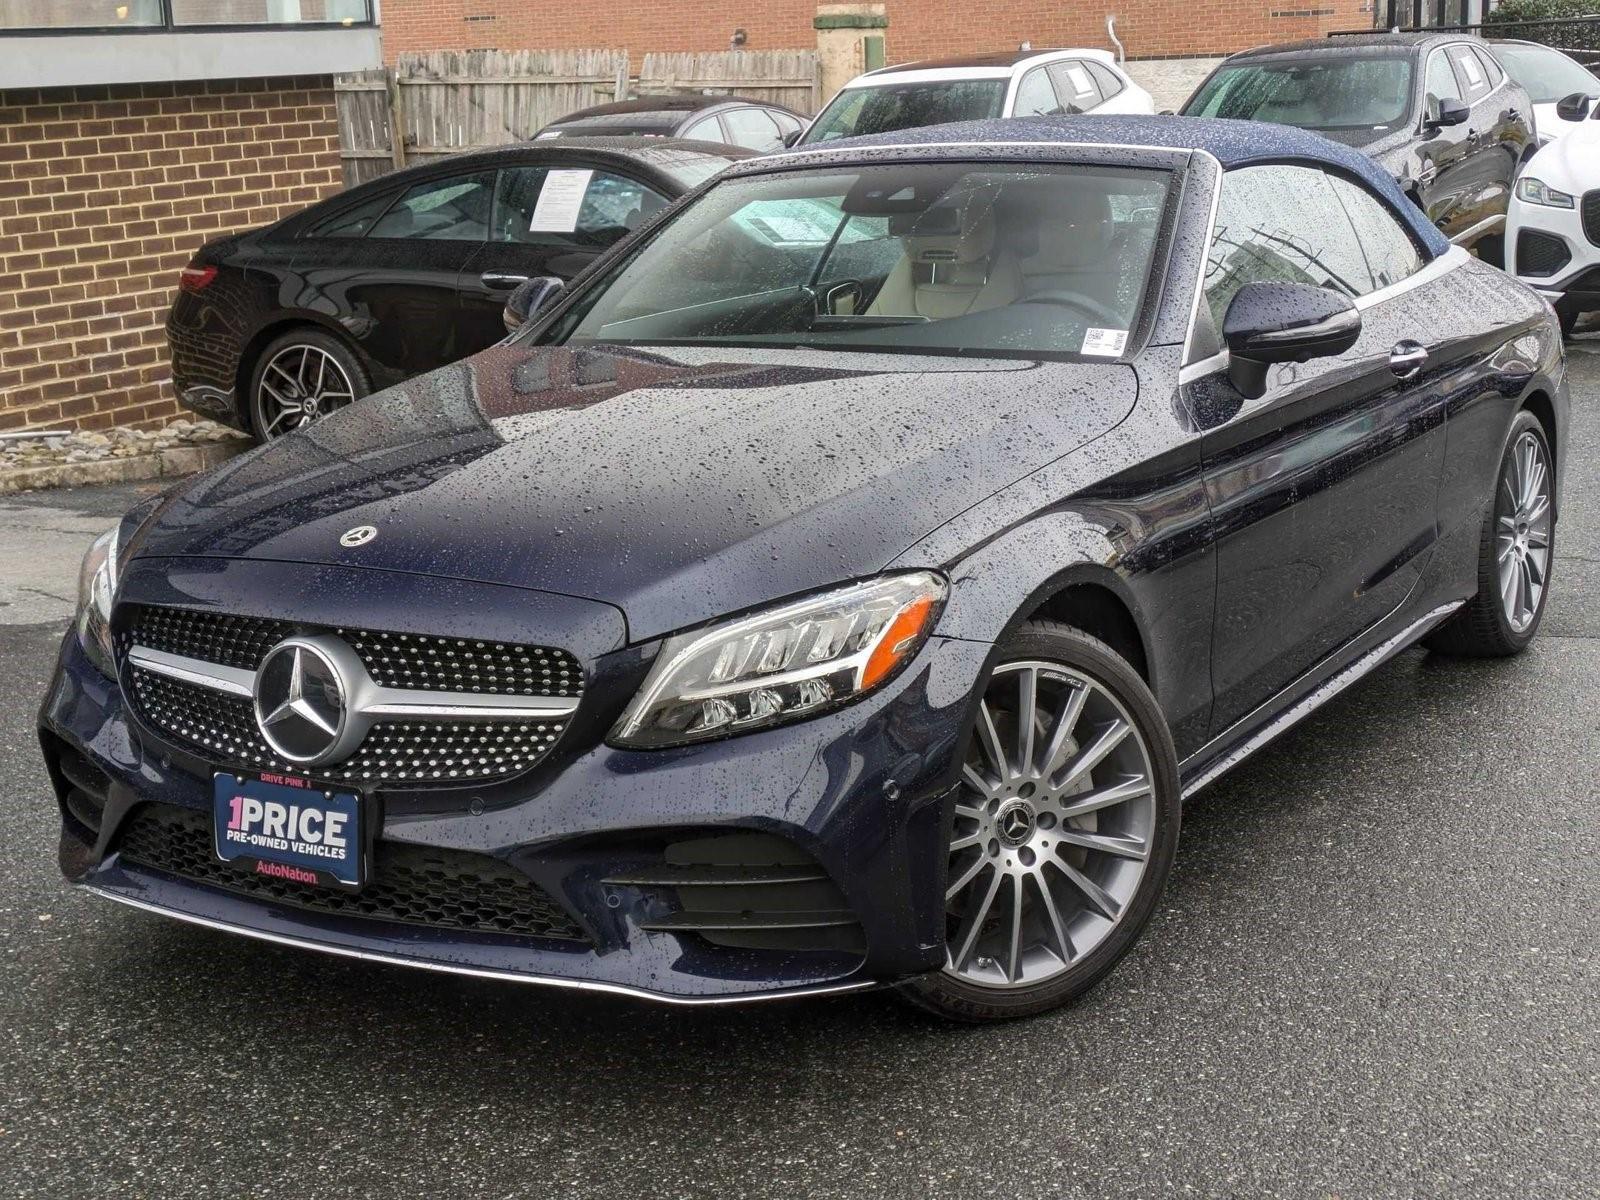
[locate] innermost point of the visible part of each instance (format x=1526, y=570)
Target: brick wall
x=917, y=28
x=105, y=192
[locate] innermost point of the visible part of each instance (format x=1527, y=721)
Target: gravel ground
x=1374, y=973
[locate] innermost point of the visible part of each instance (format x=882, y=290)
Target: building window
x=66, y=16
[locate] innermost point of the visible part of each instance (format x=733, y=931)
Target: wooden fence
x=780, y=76
x=438, y=103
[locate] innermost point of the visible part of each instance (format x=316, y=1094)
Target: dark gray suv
x=1435, y=110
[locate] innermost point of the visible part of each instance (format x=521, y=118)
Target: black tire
x=1482, y=628
x=266, y=412
x=1567, y=313
x=956, y=998
x=1492, y=250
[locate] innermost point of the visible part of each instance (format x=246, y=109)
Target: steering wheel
x=1067, y=298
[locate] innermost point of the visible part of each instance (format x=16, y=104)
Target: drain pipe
x=1111, y=32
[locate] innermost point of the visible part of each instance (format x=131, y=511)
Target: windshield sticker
x=560, y=200
x=1080, y=79
x=1469, y=64
x=1106, y=342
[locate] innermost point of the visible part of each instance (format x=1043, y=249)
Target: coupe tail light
x=194, y=279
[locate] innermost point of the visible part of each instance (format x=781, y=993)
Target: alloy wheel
x=1053, y=827
x=299, y=384
x=1522, y=531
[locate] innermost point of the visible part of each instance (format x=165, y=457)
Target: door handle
x=1407, y=358
x=502, y=280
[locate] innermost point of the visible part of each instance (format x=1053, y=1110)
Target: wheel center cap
x=1015, y=822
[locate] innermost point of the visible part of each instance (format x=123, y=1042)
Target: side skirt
x=1254, y=730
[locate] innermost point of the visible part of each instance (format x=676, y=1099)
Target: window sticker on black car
x=560, y=201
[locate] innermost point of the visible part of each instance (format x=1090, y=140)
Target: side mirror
x=1451, y=112
x=1574, y=107
x=529, y=300
x=1270, y=323
x=793, y=136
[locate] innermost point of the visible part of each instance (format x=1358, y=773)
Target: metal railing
x=80, y=18
x=1577, y=37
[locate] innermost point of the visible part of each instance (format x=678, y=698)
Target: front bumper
x=862, y=791
x=1547, y=249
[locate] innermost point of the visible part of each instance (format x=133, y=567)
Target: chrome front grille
x=400, y=660
x=435, y=711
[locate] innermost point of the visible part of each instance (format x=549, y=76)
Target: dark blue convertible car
x=841, y=584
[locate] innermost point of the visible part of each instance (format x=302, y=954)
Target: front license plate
x=289, y=829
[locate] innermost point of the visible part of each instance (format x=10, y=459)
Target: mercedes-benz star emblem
x=1016, y=822
x=359, y=536
x=300, y=701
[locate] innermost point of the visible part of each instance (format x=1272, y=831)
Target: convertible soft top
x=1232, y=143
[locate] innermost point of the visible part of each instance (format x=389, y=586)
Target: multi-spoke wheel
x=1522, y=530
x=1515, y=552
x=1064, y=829
x=301, y=376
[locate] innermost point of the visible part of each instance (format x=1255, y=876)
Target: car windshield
x=952, y=258
x=1363, y=97
x=884, y=108
x=1547, y=74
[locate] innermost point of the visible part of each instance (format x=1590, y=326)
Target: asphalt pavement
x=1376, y=972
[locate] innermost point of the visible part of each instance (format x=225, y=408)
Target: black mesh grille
x=404, y=753
x=1591, y=216
x=240, y=642
x=405, y=660
x=442, y=889
x=1540, y=254
x=402, y=660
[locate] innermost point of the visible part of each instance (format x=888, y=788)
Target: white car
x=1553, y=226
x=1549, y=77
x=1019, y=83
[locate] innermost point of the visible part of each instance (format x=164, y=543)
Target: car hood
x=1568, y=163
x=677, y=486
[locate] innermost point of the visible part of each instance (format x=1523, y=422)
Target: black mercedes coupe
x=274, y=328
x=842, y=585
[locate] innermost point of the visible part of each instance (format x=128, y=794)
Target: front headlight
x=1536, y=191
x=97, y=585
x=783, y=664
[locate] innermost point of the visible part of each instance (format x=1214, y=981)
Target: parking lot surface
x=1376, y=971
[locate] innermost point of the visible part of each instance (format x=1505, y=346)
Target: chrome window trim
x=824, y=148
x=1200, y=275
x=1435, y=270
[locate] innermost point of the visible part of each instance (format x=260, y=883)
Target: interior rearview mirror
x=1574, y=107
x=1270, y=323
x=1450, y=112
x=529, y=300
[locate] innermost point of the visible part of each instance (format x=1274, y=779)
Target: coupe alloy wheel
x=1053, y=827
x=1522, y=531
x=299, y=384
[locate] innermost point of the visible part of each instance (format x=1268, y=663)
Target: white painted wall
x=67, y=59
x=1170, y=81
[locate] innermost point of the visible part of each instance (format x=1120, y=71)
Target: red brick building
x=122, y=149
x=917, y=28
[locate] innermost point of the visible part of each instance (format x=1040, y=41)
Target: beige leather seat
x=1071, y=232
x=950, y=274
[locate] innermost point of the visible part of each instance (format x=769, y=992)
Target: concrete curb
x=166, y=464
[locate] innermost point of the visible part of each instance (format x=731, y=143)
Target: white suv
x=1021, y=83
